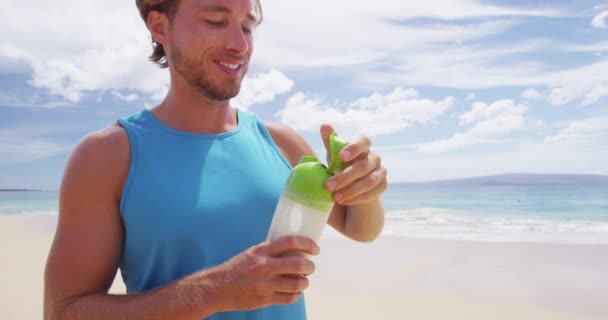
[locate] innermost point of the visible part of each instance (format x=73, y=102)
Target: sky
x=444, y=88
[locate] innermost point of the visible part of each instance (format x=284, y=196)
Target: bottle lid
x=335, y=147
x=306, y=183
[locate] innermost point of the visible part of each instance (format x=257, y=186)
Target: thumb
x=326, y=131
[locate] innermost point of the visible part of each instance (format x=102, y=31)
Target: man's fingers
x=293, y=266
x=326, y=131
x=290, y=284
x=285, y=298
x=356, y=171
x=362, y=191
x=287, y=244
x=356, y=149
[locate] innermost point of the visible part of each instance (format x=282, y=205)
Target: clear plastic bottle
x=305, y=203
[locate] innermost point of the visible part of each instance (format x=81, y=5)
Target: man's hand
x=364, y=178
x=266, y=274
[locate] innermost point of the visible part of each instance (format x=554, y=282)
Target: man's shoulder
x=108, y=143
x=292, y=145
x=280, y=130
x=103, y=155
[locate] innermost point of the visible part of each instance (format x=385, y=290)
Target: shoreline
x=437, y=224
x=392, y=278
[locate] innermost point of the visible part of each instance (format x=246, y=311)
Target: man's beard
x=198, y=78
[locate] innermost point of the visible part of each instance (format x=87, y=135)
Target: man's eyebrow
x=224, y=9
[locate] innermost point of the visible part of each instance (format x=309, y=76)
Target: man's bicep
x=88, y=241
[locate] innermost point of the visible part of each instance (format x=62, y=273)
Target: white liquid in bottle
x=293, y=218
x=305, y=205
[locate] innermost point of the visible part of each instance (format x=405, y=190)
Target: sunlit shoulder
x=292, y=145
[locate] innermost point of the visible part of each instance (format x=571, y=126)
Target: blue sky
x=445, y=88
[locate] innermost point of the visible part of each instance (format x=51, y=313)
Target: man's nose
x=236, y=41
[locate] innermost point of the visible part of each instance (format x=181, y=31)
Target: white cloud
x=598, y=91
x=581, y=147
x=463, y=67
x=71, y=56
x=75, y=48
x=329, y=44
x=591, y=128
x=588, y=83
x=373, y=31
x=471, y=96
x=599, y=21
x=491, y=122
x=73, y=64
x=377, y=114
x=23, y=149
x=597, y=47
x=262, y=88
x=28, y=100
x=477, y=68
x=482, y=112
x=588, y=157
x=539, y=123
x=129, y=98
x=531, y=94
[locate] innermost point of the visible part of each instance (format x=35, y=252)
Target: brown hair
x=169, y=7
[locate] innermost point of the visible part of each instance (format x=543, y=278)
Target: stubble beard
x=197, y=77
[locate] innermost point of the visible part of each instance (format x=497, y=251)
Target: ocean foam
x=28, y=212
x=437, y=223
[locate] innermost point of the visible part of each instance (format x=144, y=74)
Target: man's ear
x=158, y=24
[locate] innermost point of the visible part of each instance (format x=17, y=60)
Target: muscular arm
x=88, y=242
x=361, y=222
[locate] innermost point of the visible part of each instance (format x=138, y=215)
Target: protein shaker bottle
x=305, y=203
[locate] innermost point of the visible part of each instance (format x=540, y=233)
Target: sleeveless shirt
x=193, y=201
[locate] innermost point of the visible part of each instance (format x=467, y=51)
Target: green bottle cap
x=335, y=147
x=306, y=183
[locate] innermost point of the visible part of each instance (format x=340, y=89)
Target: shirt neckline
x=146, y=113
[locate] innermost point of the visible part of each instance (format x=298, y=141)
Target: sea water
x=537, y=213
x=546, y=213
x=29, y=202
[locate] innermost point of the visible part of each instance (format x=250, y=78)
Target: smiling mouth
x=232, y=68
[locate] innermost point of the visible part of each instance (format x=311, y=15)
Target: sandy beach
x=392, y=278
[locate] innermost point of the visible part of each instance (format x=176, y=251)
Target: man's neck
x=193, y=112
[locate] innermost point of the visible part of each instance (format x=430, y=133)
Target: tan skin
x=88, y=242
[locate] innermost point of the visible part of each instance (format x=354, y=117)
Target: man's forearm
x=362, y=222
x=192, y=297
x=365, y=221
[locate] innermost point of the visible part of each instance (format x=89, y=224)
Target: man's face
x=210, y=44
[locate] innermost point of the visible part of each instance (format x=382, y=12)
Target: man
x=180, y=197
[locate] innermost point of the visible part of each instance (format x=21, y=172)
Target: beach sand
x=392, y=278
x=402, y=278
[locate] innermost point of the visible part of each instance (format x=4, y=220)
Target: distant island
x=19, y=190
x=520, y=179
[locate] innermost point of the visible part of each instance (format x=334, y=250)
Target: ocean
x=29, y=202
x=519, y=213
x=535, y=213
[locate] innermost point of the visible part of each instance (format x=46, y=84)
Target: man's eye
x=247, y=30
x=215, y=23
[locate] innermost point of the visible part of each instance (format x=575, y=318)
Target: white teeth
x=229, y=65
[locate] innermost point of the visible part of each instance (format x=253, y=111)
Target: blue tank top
x=193, y=201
